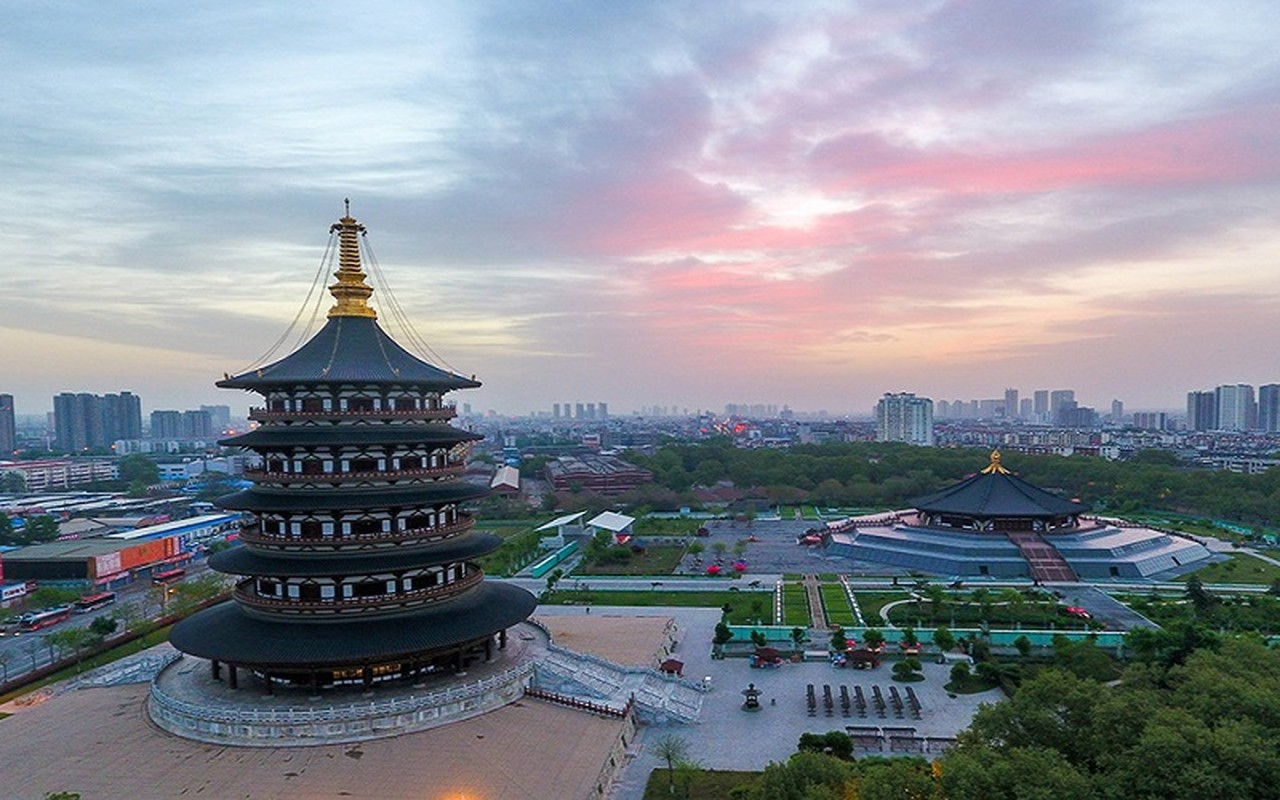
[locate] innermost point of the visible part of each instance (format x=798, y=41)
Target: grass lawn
x=970, y=615
x=795, y=605
x=836, y=604
x=1241, y=568
x=1258, y=613
x=653, y=560
x=704, y=784
x=872, y=602
x=745, y=611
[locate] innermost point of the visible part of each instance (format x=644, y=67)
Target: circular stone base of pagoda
x=187, y=701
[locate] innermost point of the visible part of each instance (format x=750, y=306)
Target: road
x=21, y=653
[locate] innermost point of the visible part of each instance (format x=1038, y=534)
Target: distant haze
x=679, y=204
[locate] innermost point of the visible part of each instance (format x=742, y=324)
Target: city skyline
x=654, y=204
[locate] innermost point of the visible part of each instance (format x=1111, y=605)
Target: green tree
x=873, y=638
x=723, y=634
x=103, y=626
x=7, y=536
x=895, y=779
x=42, y=528
x=1200, y=598
x=839, y=640
x=552, y=579
x=1023, y=645
x=1018, y=773
x=805, y=776
x=797, y=637
x=138, y=468
x=909, y=637
x=907, y=669
x=960, y=672
x=671, y=749
x=13, y=482
x=834, y=743
x=944, y=639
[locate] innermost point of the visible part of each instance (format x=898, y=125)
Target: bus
x=93, y=602
x=43, y=619
x=169, y=576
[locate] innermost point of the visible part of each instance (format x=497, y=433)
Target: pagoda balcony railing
x=245, y=595
x=335, y=478
x=253, y=534
x=259, y=414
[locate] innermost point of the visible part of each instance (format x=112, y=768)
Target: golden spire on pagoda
x=995, y=467
x=350, y=291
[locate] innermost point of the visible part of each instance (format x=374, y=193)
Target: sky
x=651, y=203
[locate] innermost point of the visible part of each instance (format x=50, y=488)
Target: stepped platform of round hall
x=188, y=701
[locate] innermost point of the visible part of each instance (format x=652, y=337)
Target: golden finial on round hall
x=995, y=467
x=350, y=291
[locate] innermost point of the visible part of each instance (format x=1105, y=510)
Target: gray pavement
x=726, y=737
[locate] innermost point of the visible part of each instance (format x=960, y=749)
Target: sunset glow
x=655, y=203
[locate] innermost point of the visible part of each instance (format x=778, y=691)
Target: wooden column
x=215, y=670
x=233, y=676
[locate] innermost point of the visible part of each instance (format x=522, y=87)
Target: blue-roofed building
x=994, y=524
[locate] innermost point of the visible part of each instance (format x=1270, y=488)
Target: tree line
x=887, y=475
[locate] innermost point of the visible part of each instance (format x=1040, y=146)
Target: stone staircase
x=658, y=698
x=1047, y=564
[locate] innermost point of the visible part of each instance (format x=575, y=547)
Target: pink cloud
x=1235, y=145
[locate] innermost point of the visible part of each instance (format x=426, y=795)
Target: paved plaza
x=100, y=743
x=726, y=737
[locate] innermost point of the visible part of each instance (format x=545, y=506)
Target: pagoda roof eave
x=318, y=436
x=244, y=561
x=258, y=499
x=349, y=350
x=996, y=495
x=228, y=634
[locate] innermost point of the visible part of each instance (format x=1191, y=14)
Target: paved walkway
x=817, y=616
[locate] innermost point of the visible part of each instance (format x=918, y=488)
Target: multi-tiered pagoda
x=358, y=561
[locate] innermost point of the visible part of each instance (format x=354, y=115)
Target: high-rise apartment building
x=1150, y=420
x=1237, y=410
x=220, y=416
x=1268, y=407
x=197, y=425
x=1057, y=399
x=1011, y=402
x=904, y=417
x=8, y=427
x=1042, y=405
x=166, y=424
x=88, y=421
x=1202, y=411
x=1026, y=408
x=603, y=409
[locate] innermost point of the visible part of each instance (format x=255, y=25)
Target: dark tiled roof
x=260, y=499
x=227, y=634
x=243, y=561
x=991, y=495
x=349, y=350
x=334, y=435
